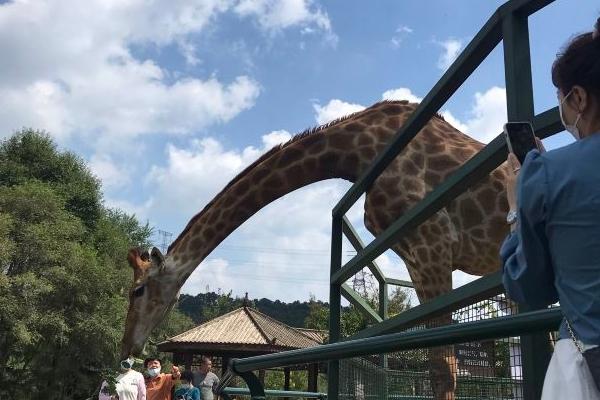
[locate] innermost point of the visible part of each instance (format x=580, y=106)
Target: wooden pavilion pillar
x=286, y=379
x=224, y=364
x=183, y=358
x=187, y=360
x=178, y=358
x=313, y=375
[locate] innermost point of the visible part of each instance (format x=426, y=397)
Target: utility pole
x=164, y=239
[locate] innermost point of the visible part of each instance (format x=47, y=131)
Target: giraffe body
x=465, y=235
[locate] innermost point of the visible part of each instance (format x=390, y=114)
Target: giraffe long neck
x=340, y=150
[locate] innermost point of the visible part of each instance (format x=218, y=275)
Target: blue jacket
x=554, y=253
x=187, y=393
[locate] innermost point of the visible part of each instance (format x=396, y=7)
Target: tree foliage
x=204, y=306
x=352, y=320
x=64, y=273
x=64, y=277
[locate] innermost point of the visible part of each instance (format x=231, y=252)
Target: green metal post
x=482, y=288
x=335, y=297
x=361, y=304
x=235, y=391
x=383, y=300
x=399, y=282
x=359, y=246
x=383, y=313
x=535, y=349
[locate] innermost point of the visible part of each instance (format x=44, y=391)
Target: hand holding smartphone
x=520, y=139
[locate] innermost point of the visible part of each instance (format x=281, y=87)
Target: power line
x=164, y=239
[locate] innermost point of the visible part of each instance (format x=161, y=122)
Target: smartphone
x=520, y=139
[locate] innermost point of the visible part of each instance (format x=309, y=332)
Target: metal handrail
x=514, y=325
x=488, y=37
x=476, y=168
x=275, y=393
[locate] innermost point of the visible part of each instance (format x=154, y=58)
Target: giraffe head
x=150, y=297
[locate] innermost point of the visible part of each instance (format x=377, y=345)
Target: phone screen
x=520, y=138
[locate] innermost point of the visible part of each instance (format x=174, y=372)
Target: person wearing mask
x=553, y=250
x=187, y=391
x=206, y=380
x=129, y=384
x=159, y=386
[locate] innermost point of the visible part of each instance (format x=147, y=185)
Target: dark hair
x=187, y=376
x=579, y=64
x=149, y=360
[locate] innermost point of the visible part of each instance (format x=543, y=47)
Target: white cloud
x=335, y=109
x=282, y=251
x=109, y=173
x=460, y=278
x=197, y=172
x=455, y=122
x=100, y=106
x=276, y=137
x=71, y=70
x=488, y=114
x=401, y=32
x=452, y=48
x=484, y=119
x=281, y=14
x=284, y=248
x=401, y=94
x=275, y=15
x=213, y=273
x=189, y=52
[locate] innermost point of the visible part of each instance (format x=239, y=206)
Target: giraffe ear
x=157, y=258
x=138, y=260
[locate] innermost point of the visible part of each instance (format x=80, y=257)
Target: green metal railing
x=534, y=321
x=233, y=391
x=530, y=322
x=509, y=24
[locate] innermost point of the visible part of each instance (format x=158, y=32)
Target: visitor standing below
x=159, y=386
x=187, y=391
x=206, y=380
x=129, y=384
x=553, y=251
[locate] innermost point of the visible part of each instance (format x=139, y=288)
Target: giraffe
x=465, y=235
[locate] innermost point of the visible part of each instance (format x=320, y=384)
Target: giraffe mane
x=296, y=138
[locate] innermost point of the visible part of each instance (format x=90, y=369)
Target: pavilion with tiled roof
x=243, y=332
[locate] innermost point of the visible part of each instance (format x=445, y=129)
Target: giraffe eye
x=138, y=291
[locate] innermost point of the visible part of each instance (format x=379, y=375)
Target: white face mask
x=572, y=129
x=127, y=364
x=152, y=372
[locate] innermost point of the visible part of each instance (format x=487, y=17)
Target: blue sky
x=168, y=100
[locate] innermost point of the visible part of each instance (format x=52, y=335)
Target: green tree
x=221, y=304
x=352, y=320
x=398, y=301
x=318, y=315
x=32, y=155
x=64, y=273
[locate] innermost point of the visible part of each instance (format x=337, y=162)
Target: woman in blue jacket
x=553, y=250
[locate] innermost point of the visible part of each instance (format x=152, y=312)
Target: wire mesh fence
x=490, y=369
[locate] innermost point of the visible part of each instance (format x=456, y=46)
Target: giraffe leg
x=432, y=280
x=442, y=361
